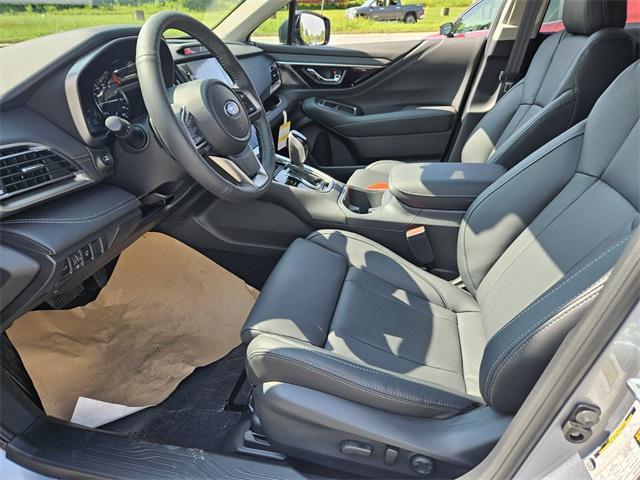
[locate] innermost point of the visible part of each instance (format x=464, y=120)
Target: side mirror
x=446, y=29
x=310, y=28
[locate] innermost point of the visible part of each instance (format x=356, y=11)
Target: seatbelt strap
x=511, y=74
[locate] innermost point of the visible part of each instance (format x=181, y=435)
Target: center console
x=301, y=177
x=417, y=214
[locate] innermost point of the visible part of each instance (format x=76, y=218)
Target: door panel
x=405, y=107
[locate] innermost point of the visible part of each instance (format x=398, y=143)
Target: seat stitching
x=564, y=282
x=72, y=220
x=349, y=364
x=561, y=285
x=391, y=255
x=357, y=383
x=536, y=325
x=481, y=199
x=594, y=293
x=543, y=117
x=346, y=332
x=259, y=331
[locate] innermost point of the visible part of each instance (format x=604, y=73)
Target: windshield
x=26, y=19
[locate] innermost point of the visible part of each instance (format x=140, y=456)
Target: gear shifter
x=294, y=172
x=298, y=149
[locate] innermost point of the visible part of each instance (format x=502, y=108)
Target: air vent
x=276, y=81
x=26, y=167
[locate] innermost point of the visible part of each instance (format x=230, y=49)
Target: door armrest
x=401, y=120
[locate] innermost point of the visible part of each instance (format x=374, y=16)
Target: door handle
x=335, y=79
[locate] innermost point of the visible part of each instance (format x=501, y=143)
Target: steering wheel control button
x=355, y=448
x=248, y=104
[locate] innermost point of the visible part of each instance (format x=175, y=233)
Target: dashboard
x=78, y=196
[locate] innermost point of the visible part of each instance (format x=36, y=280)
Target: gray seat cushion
x=406, y=358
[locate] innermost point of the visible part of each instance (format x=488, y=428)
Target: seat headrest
x=584, y=17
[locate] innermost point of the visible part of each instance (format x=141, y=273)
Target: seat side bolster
x=485, y=137
x=550, y=122
x=275, y=359
x=529, y=339
x=314, y=277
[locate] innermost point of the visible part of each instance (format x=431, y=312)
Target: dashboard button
x=75, y=259
x=87, y=256
x=96, y=247
x=66, y=268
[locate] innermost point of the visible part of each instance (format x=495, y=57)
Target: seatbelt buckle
x=508, y=80
x=420, y=245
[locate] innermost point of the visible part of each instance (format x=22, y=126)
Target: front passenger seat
x=349, y=341
x=568, y=73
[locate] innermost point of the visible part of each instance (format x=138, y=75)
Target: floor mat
x=166, y=310
x=194, y=415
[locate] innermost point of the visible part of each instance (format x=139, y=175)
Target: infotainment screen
x=206, y=68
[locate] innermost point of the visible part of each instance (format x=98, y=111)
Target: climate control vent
x=27, y=167
x=276, y=81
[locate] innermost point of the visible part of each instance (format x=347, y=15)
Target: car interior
x=315, y=261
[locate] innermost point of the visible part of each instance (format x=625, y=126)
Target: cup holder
x=363, y=201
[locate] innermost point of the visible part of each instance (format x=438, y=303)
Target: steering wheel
x=206, y=125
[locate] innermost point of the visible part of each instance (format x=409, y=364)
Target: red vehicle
x=476, y=20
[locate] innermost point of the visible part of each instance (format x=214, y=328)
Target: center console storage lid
x=442, y=186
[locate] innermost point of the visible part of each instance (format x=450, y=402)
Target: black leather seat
x=344, y=318
x=568, y=73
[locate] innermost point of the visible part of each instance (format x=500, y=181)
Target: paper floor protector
x=94, y=413
x=166, y=310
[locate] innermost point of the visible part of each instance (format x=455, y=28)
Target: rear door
x=364, y=98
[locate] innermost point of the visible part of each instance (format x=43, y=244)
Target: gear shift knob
x=298, y=148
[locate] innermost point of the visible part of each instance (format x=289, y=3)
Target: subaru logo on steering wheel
x=231, y=108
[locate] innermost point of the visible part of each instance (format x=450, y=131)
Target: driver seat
x=349, y=342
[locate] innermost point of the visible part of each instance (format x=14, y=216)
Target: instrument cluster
x=108, y=84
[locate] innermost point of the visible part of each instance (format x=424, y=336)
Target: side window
x=480, y=17
x=552, y=21
x=273, y=29
x=361, y=21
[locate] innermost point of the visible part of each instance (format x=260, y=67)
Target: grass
x=18, y=26
x=341, y=25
